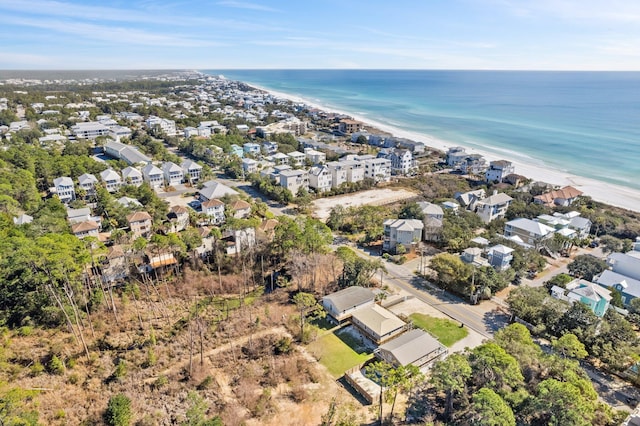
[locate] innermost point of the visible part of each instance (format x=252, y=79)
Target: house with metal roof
x=586, y=292
x=342, y=304
x=405, y=232
x=377, y=323
x=628, y=287
x=415, y=347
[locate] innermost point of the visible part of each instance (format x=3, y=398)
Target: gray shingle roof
x=411, y=346
x=350, y=297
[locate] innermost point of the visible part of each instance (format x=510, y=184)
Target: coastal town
x=186, y=249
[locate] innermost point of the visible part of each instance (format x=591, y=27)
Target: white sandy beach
x=614, y=195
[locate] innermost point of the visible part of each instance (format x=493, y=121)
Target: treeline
x=510, y=380
x=611, y=340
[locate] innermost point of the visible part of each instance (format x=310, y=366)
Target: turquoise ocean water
x=585, y=123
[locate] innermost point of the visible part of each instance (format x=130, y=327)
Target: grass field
x=339, y=351
x=446, y=331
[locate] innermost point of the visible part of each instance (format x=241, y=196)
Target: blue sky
x=227, y=34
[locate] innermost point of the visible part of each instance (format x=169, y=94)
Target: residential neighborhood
x=183, y=216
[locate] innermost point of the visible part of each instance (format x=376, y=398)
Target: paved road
x=483, y=319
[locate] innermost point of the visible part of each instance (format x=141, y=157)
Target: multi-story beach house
x=191, y=171
x=498, y=171
x=348, y=125
x=153, y=176
x=168, y=127
x=89, y=130
x=173, y=174
x=402, y=162
x=132, y=176
x=493, y=207
x=320, y=178
x=405, y=232
x=378, y=169
x=293, y=180
x=63, y=186
x=214, y=208
x=530, y=232
x=249, y=165
x=87, y=182
x=316, y=157
x=140, y=224
x=112, y=180
x=296, y=158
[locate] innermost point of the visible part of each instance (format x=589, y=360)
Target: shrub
x=56, y=366
x=118, y=411
x=121, y=369
x=37, y=368
x=283, y=345
x=161, y=382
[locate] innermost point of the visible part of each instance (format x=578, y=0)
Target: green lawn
x=446, y=331
x=339, y=351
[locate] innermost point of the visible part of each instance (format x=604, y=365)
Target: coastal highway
x=482, y=318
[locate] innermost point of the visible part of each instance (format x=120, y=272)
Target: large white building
x=168, y=127
x=320, y=178
x=378, y=169
x=173, y=173
x=89, y=130
x=293, y=180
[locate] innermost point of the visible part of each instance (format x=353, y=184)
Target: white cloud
x=116, y=34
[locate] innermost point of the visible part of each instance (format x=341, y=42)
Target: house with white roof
x=173, y=174
x=128, y=202
x=498, y=170
x=89, y=130
x=338, y=172
x=588, y=293
x=279, y=158
x=111, y=179
x=214, y=208
x=249, y=165
x=529, y=231
x=378, y=169
x=405, y=232
x=316, y=157
x=470, y=199
x=296, y=158
x=63, y=186
x=402, y=162
x=164, y=125
x=191, y=170
x=132, y=176
x=320, y=178
x=293, y=180
x=128, y=153
x=493, y=207
x=500, y=257
x=153, y=176
x=87, y=182
x=23, y=219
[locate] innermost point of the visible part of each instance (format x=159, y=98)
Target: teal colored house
x=237, y=150
x=592, y=295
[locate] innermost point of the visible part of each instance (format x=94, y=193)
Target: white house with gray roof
x=132, y=176
x=529, y=231
x=63, y=186
x=405, y=232
x=377, y=323
x=493, y=207
x=153, y=176
x=111, y=179
x=342, y=304
x=173, y=174
x=415, y=347
x=87, y=182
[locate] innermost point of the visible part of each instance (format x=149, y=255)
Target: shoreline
x=614, y=195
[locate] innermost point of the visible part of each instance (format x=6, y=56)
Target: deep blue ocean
x=585, y=123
